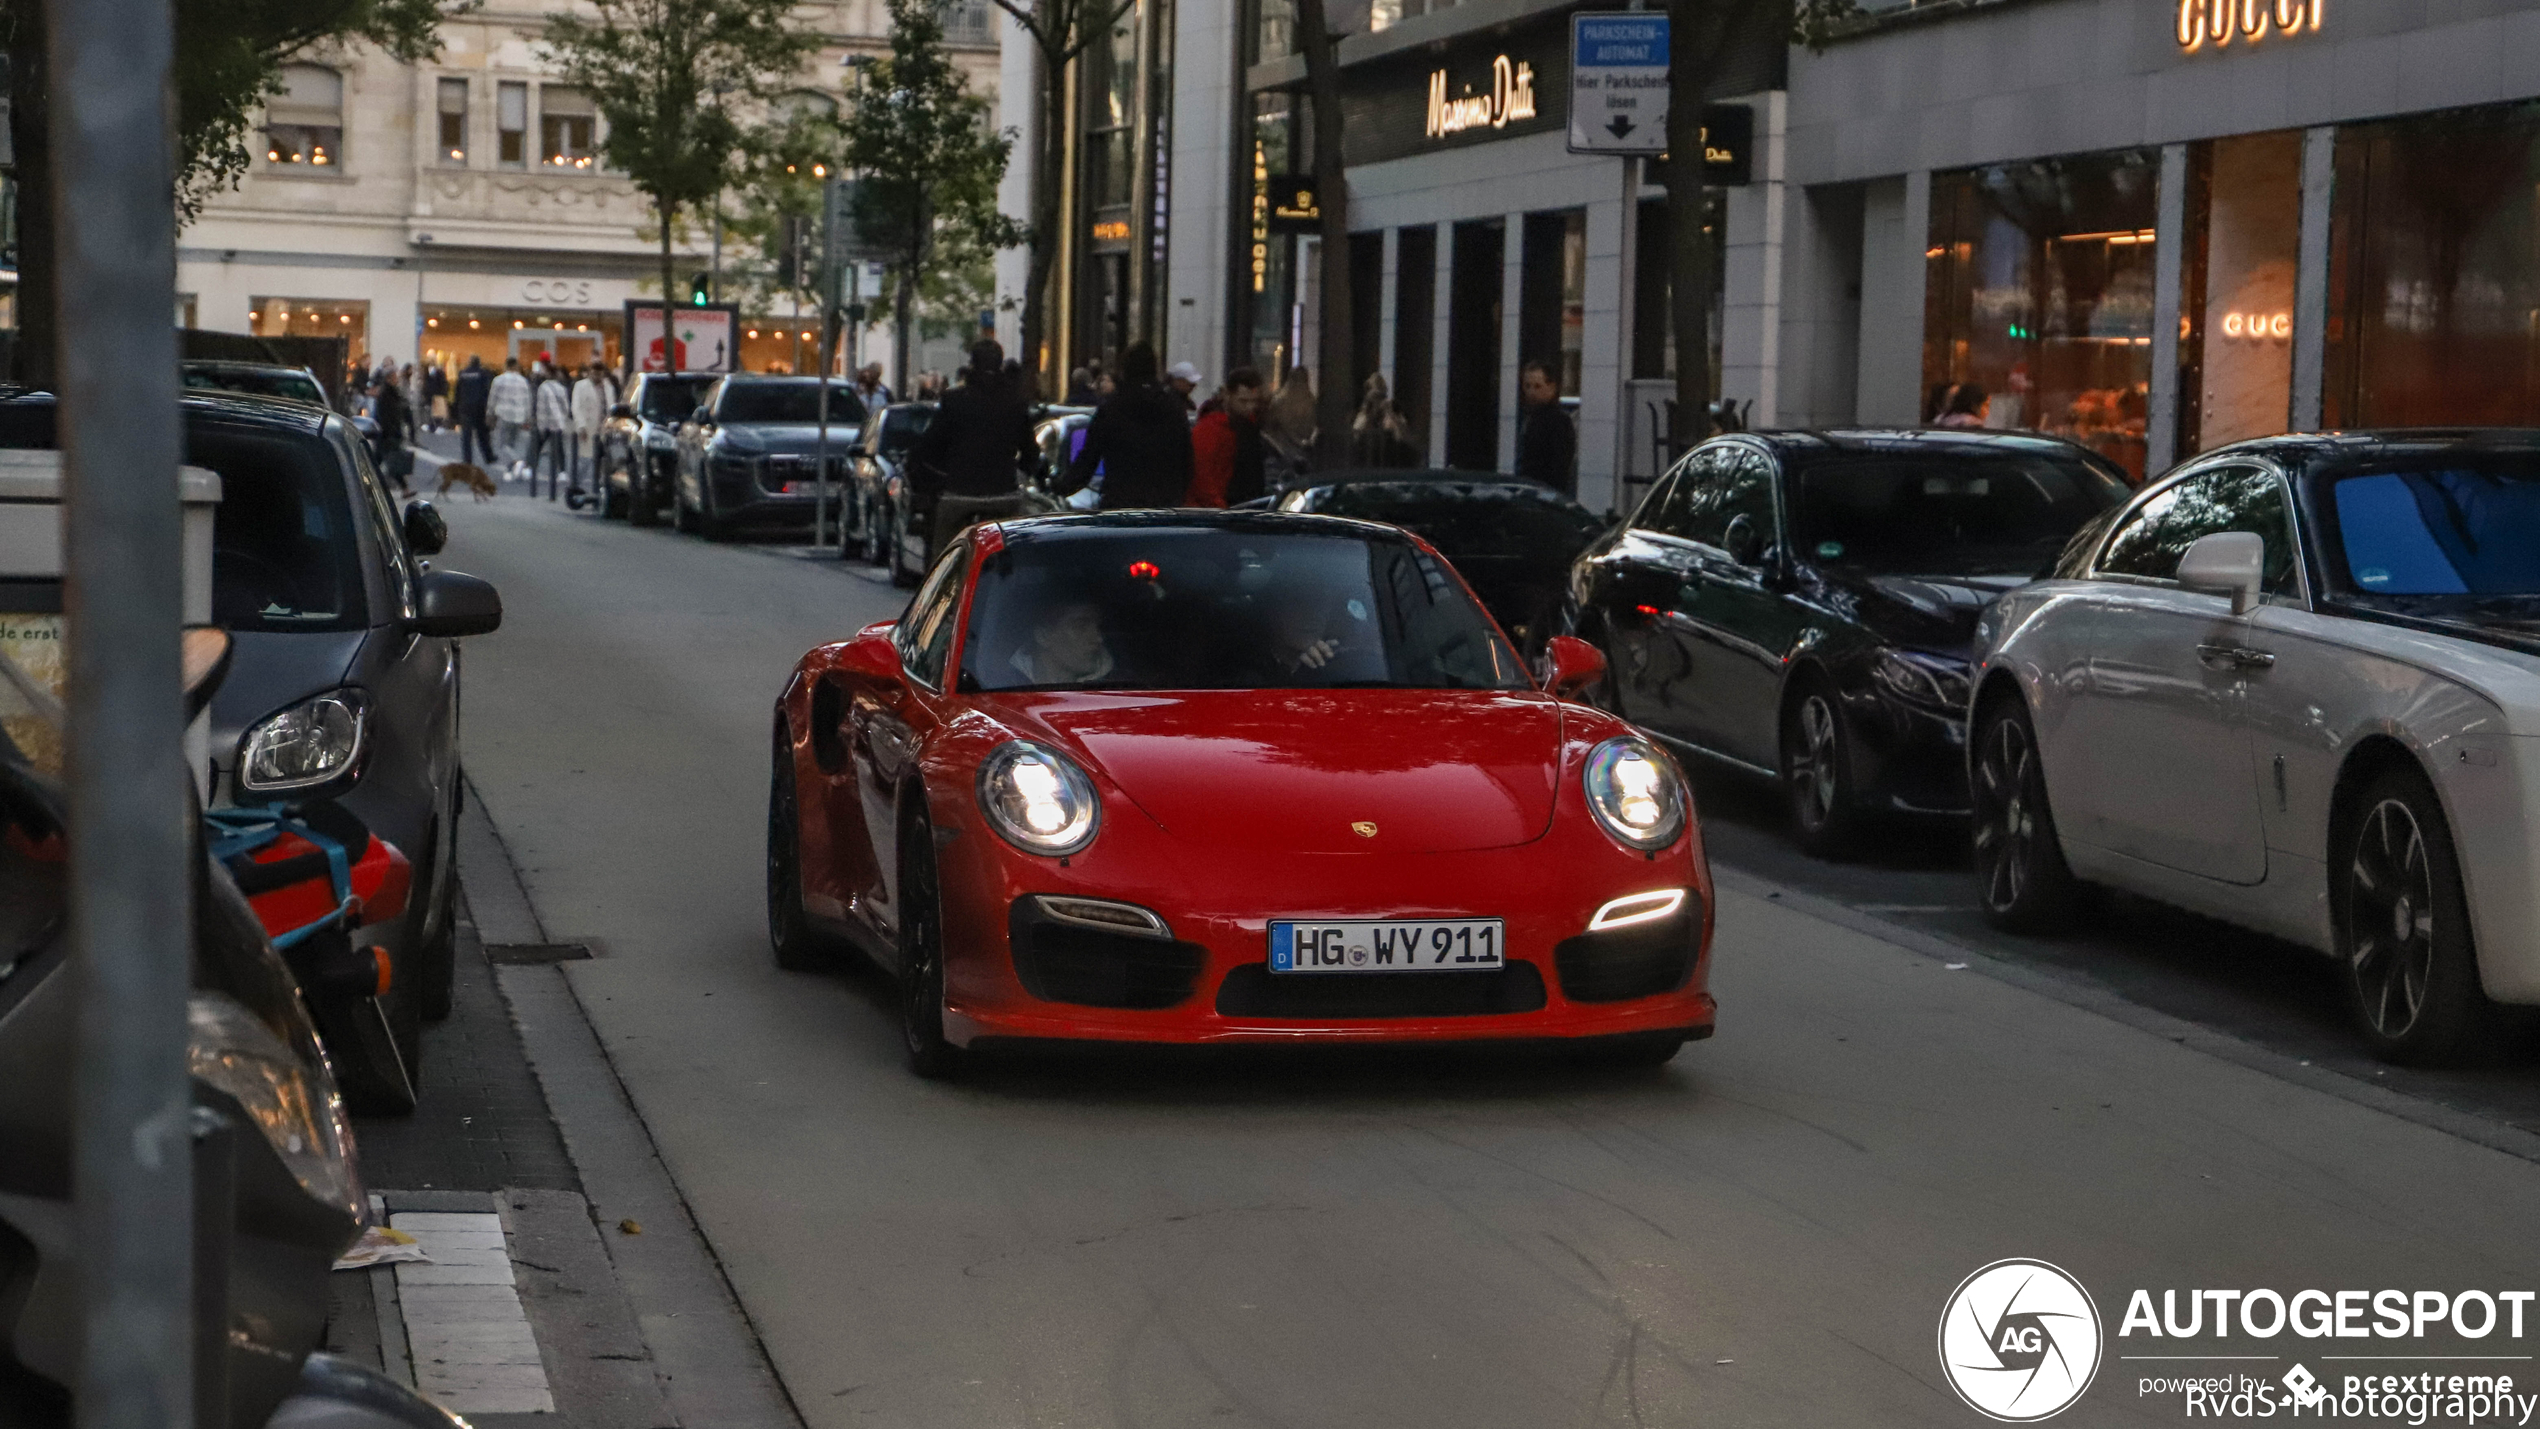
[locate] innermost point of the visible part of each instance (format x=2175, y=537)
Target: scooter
x=277, y=1196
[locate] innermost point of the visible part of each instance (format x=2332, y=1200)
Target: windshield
x=1944, y=515
x=257, y=381
x=668, y=400
x=901, y=426
x=284, y=556
x=2466, y=526
x=788, y=402
x=1226, y=608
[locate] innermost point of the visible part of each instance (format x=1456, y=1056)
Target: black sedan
x=343, y=683
x=1512, y=539
x=748, y=454
x=1803, y=605
x=639, y=444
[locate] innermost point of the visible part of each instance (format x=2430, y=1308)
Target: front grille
x=1624, y=963
x=1060, y=962
x=1254, y=991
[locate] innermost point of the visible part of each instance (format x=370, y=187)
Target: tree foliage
x=929, y=163
x=682, y=86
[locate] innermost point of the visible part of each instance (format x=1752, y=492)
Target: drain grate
x=536, y=952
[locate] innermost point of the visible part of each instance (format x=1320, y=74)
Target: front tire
x=797, y=945
x=643, y=508
x=921, y=983
x=436, y=924
x=2021, y=877
x=711, y=524
x=1816, y=772
x=2406, y=961
x=376, y=1045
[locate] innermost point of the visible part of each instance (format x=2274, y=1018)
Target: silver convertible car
x=2294, y=685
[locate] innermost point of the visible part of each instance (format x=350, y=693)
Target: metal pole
x=122, y=553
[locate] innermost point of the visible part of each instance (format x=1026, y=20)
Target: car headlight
x=231, y=1050
x=1636, y=793
x=314, y=742
x=1934, y=681
x=1038, y=799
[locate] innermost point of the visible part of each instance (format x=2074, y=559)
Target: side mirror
x=622, y=412
x=426, y=532
x=873, y=655
x=453, y=604
x=2231, y=563
x=1571, y=665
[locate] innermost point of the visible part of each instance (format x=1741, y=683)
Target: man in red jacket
x=1226, y=449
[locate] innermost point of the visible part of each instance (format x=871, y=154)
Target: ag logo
x=2019, y=1340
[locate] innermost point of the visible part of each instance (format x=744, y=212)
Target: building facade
x=459, y=208
x=2151, y=226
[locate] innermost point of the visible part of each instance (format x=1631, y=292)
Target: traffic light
x=701, y=289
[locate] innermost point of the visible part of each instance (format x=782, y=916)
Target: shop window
x=304, y=124
x=453, y=117
x=511, y=124
x=348, y=319
x=1366, y=310
x=2237, y=341
x=2039, y=299
x=1415, y=310
x=1552, y=294
x=1474, y=305
x=2434, y=306
x=566, y=125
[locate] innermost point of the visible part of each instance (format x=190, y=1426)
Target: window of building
x=511, y=124
x=566, y=126
x=1274, y=29
x=2038, y=298
x=304, y=124
x=1111, y=127
x=1653, y=321
x=967, y=22
x=1552, y=294
x=348, y=319
x=1385, y=14
x=453, y=115
x=1415, y=307
x=2432, y=287
x=2236, y=335
x=1270, y=265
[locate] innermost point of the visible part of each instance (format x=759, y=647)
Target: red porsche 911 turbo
x=1230, y=777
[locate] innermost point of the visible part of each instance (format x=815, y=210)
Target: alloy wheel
x=2005, y=823
x=922, y=962
x=1814, y=777
x=2390, y=915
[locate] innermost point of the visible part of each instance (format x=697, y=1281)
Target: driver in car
x=1066, y=647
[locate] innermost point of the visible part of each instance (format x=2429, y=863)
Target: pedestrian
x=1183, y=378
x=1937, y=406
x=969, y=461
x=473, y=402
x=554, y=401
x=1547, y=446
x=436, y=395
x=410, y=387
x=514, y=405
x=590, y=407
x=869, y=388
x=1228, y=464
x=1139, y=438
x=1968, y=407
x=1080, y=388
x=1290, y=425
x=388, y=409
x=1378, y=437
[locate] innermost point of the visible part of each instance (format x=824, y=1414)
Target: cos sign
x=567, y=292
x=2219, y=22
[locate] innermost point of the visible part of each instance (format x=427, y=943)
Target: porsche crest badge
x=1363, y=829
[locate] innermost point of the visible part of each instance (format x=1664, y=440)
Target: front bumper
x=1906, y=759
x=1212, y=980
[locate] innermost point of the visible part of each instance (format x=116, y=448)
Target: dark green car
x=1801, y=605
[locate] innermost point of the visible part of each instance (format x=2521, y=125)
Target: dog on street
x=459, y=473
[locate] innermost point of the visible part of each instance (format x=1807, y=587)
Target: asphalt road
x=1763, y=1232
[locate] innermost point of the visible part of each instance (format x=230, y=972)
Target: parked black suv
x=747, y=453
x=639, y=444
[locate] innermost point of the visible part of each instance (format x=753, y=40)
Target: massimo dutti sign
x=1472, y=90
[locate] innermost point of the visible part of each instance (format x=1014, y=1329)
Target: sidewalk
x=543, y=1302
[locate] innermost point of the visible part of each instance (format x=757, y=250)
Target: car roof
x=1187, y=519
x=2386, y=442
x=238, y=408
x=1920, y=441
x=1373, y=475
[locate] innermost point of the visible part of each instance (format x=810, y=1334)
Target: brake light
x=1145, y=571
x=386, y=968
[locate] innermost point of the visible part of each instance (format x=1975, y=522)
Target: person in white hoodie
x=591, y=402
x=555, y=428
x=512, y=402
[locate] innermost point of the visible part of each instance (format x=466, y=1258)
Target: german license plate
x=1389, y=945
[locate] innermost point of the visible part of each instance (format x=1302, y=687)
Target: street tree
x=928, y=161
x=684, y=87
x=229, y=59
x=1700, y=33
x=1059, y=30
x=774, y=206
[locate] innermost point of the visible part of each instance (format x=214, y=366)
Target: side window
x=1738, y=518
x=385, y=525
x=2150, y=539
x=925, y=633
x=1696, y=490
x=1655, y=503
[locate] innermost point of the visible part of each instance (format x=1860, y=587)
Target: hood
x=1935, y=613
x=268, y=670
x=1434, y=771
x=2505, y=623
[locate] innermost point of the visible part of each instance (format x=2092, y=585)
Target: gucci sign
x=2258, y=327
x=562, y=292
x=2219, y=22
